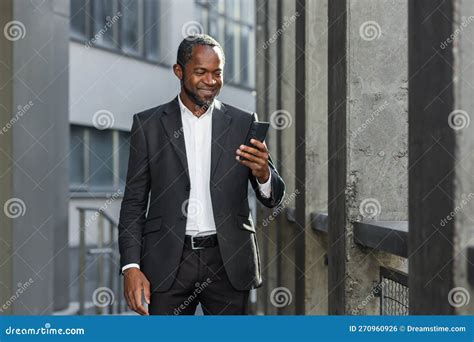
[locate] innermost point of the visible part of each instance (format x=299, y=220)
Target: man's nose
x=209, y=80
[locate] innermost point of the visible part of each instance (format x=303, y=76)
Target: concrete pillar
x=284, y=119
x=34, y=156
x=441, y=106
x=266, y=104
x=296, y=59
x=260, y=105
x=367, y=142
x=316, y=155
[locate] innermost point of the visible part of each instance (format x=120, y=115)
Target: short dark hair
x=185, y=49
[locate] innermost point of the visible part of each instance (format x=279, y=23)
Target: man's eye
x=199, y=73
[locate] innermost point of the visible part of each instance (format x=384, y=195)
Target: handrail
x=290, y=214
x=387, y=236
x=320, y=222
x=99, y=210
x=110, y=250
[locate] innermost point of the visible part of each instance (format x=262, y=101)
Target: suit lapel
x=173, y=127
x=220, y=126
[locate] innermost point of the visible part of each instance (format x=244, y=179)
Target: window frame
x=88, y=34
x=85, y=187
x=223, y=16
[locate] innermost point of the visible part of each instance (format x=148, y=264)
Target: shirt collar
x=185, y=109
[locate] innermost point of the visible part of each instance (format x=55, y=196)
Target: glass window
x=76, y=157
x=213, y=30
x=78, y=18
x=101, y=175
x=151, y=29
x=232, y=9
x=247, y=11
x=231, y=22
x=102, y=31
x=244, y=55
x=98, y=159
x=219, y=5
x=130, y=27
x=229, y=49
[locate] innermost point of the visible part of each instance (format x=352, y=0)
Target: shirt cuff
x=130, y=266
x=266, y=188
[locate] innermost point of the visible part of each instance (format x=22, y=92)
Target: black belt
x=200, y=242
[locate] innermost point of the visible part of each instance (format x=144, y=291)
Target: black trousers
x=201, y=278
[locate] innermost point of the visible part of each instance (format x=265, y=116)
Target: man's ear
x=178, y=71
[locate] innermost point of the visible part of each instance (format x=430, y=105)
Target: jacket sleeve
x=135, y=199
x=277, y=185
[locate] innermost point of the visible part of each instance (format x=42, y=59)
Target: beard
x=195, y=98
x=202, y=103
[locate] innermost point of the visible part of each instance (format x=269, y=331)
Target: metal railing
x=387, y=236
x=394, y=298
x=105, y=252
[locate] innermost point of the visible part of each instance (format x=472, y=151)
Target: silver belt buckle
x=192, y=244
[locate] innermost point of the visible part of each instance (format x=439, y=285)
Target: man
x=197, y=243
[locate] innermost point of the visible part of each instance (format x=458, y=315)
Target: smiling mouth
x=207, y=91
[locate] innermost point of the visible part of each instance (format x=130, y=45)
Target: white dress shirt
x=198, y=141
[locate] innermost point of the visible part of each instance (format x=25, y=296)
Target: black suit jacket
x=158, y=179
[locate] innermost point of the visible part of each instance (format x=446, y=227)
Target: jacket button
x=188, y=187
x=183, y=218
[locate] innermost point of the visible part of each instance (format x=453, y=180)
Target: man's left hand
x=257, y=159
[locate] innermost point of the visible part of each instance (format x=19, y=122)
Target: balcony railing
x=108, y=284
x=386, y=236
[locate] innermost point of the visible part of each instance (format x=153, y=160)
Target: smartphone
x=258, y=131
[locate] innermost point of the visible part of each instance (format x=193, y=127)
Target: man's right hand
x=134, y=283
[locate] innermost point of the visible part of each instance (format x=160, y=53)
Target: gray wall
x=34, y=157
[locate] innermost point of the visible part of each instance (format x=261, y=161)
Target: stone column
x=34, y=266
x=367, y=142
x=316, y=155
x=441, y=160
